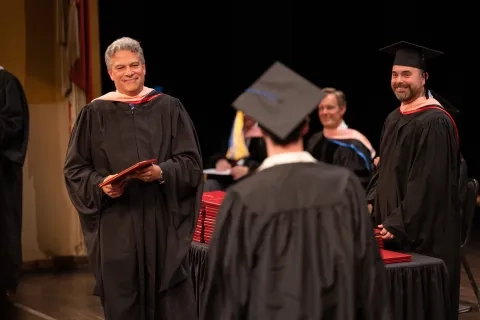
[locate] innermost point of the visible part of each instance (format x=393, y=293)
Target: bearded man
x=417, y=201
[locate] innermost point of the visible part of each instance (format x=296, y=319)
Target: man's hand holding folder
x=114, y=189
x=149, y=173
x=146, y=171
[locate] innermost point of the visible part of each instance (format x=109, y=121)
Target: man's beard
x=408, y=94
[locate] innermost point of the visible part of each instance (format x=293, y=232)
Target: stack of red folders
x=211, y=202
x=388, y=256
x=198, y=234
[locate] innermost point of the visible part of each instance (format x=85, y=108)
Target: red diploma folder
x=122, y=175
x=389, y=257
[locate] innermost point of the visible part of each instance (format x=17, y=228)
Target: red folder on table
x=394, y=257
x=122, y=175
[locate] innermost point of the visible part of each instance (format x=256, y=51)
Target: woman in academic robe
x=337, y=144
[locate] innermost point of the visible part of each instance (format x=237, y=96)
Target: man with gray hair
x=137, y=231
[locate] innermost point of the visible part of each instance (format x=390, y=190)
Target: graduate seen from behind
x=338, y=144
x=245, y=152
x=295, y=239
x=416, y=199
x=137, y=231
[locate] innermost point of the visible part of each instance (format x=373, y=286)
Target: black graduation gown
x=417, y=193
x=348, y=153
x=295, y=241
x=138, y=243
x=371, y=188
x=14, y=130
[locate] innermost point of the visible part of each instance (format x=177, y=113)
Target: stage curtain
x=73, y=37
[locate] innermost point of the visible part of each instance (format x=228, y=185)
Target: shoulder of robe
x=436, y=117
x=95, y=105
x=331, y=180
x=6, y=77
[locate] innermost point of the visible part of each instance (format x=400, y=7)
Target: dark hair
x=294, y=136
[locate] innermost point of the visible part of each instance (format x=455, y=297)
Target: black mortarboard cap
x=411, y=55
x=279, y=100
x=450, y=108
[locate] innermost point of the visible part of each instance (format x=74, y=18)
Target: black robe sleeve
x=80, y=178
x=14, y=131
x=182, y=188
x=372, y=291
x=11, y=113
x=228, y=259
x=428, y=186
x=371, y=188
x=183, y=171
x=14, y=119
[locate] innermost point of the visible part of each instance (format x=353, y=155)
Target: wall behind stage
x=29, y=50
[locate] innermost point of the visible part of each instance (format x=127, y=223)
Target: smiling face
x=331, y=112
x=407, y=83
x=127, y=72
